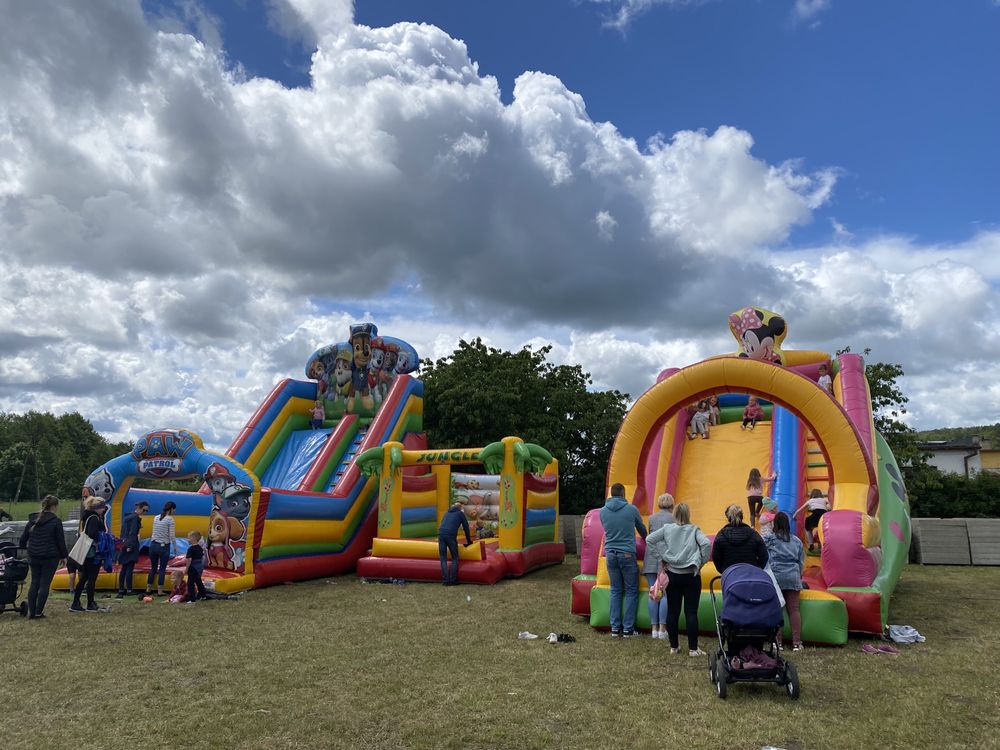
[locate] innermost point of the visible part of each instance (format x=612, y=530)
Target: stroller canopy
x=749, y=597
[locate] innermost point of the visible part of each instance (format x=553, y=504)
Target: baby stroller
x=13, y=573
x=748, y=628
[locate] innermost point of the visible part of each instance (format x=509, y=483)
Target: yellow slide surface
x=714, y=472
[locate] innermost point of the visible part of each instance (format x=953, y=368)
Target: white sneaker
x=553, y=638
x=524, y=635
x=674, y=650
x=697, y=652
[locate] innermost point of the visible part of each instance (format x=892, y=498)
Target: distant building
x=965, y=456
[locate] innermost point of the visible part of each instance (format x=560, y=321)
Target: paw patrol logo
x=159, y=467
x=161, y=453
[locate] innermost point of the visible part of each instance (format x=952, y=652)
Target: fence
x=956, y=541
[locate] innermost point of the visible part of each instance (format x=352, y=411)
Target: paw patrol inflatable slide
x=288, y=499
x=817, y=433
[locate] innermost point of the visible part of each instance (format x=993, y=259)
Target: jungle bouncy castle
x=288, y=500
x=812, y=439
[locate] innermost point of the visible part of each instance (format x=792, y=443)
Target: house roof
x=957, y=444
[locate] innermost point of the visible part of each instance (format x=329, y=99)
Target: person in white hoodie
x=685, y=549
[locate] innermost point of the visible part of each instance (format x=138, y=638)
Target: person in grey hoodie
x=621, y=520
x=685, y=550
x=651, y=563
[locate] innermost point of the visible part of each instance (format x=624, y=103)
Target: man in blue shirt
x=453, y=518
x=621, y=520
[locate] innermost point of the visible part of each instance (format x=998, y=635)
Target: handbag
x=659, y=587
x=79, y=552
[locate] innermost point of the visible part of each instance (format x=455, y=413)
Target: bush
x=934, y=494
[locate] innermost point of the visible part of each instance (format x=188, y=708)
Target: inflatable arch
x=855, y=485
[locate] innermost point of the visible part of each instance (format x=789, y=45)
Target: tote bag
x=79, y=552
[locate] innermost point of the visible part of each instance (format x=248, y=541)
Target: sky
x=196, y=194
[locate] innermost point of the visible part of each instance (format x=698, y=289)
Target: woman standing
x=737, y=543
x=129, y=554
x=46, y=545
x=685, y=550
x=91, y=524
x=651, y=563
x=787, y=557
x=162, y=546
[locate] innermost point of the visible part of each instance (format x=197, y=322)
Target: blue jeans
x=623, y=570
x=159, y=556
x=657, y=609
x=446, y=544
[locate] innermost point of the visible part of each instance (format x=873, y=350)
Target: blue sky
x=223, y=186
x=887, y=92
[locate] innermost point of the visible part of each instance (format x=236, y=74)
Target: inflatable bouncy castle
x=811, y=437
x=512, y=508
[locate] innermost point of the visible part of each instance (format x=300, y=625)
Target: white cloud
x=622, y=13
x=175, y=238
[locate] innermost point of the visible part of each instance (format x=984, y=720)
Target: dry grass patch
x=340, y=663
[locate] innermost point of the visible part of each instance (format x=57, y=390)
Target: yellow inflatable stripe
x=280, y=532
x=420, y=549
x=420, y=499
x=542, y=500
x=663, y=465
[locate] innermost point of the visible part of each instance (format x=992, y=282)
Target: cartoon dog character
x=222, y=529
x=99, y=484
x=388, y=371
x=342, y=374
x=403, y=362
x=375, y=368
x=316, y=370
x=361, y=346
x=760, y=333
x=218, y=478
x=235, y=501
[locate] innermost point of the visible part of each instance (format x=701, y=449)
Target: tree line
x=42, y=454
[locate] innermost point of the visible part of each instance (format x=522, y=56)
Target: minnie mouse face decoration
x=759, y=333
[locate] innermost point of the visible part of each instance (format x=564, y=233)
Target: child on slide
x=755, y=492
x=751, y=413
x=817, y=504
x=700, y=421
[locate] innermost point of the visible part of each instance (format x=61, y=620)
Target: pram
x=750, y=617
x=13, y=573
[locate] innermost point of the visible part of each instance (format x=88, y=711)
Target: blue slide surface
x=292, y=463
x=345, y=460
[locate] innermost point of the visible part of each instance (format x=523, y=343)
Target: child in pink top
x=318, y=415
x=751, y=413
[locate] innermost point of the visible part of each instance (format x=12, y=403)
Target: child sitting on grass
x=179, y=589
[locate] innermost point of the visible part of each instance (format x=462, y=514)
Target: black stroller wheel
x=791, y=681
x=721, y=688
x=712, y=659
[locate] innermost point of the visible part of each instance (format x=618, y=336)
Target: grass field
x=339, y=663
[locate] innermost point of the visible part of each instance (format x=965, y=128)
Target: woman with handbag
x=84, y=552
x=162, y=543
x=651, y=567
x=46, y=544
x=685, y=550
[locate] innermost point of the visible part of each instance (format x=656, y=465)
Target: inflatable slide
x=286, y=501
x=810, y=438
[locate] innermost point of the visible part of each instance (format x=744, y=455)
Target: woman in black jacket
x=91, y=524
x=129, y=554
x=737, y=543
x=46, y=545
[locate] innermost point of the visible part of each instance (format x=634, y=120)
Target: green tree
x=479, y=394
